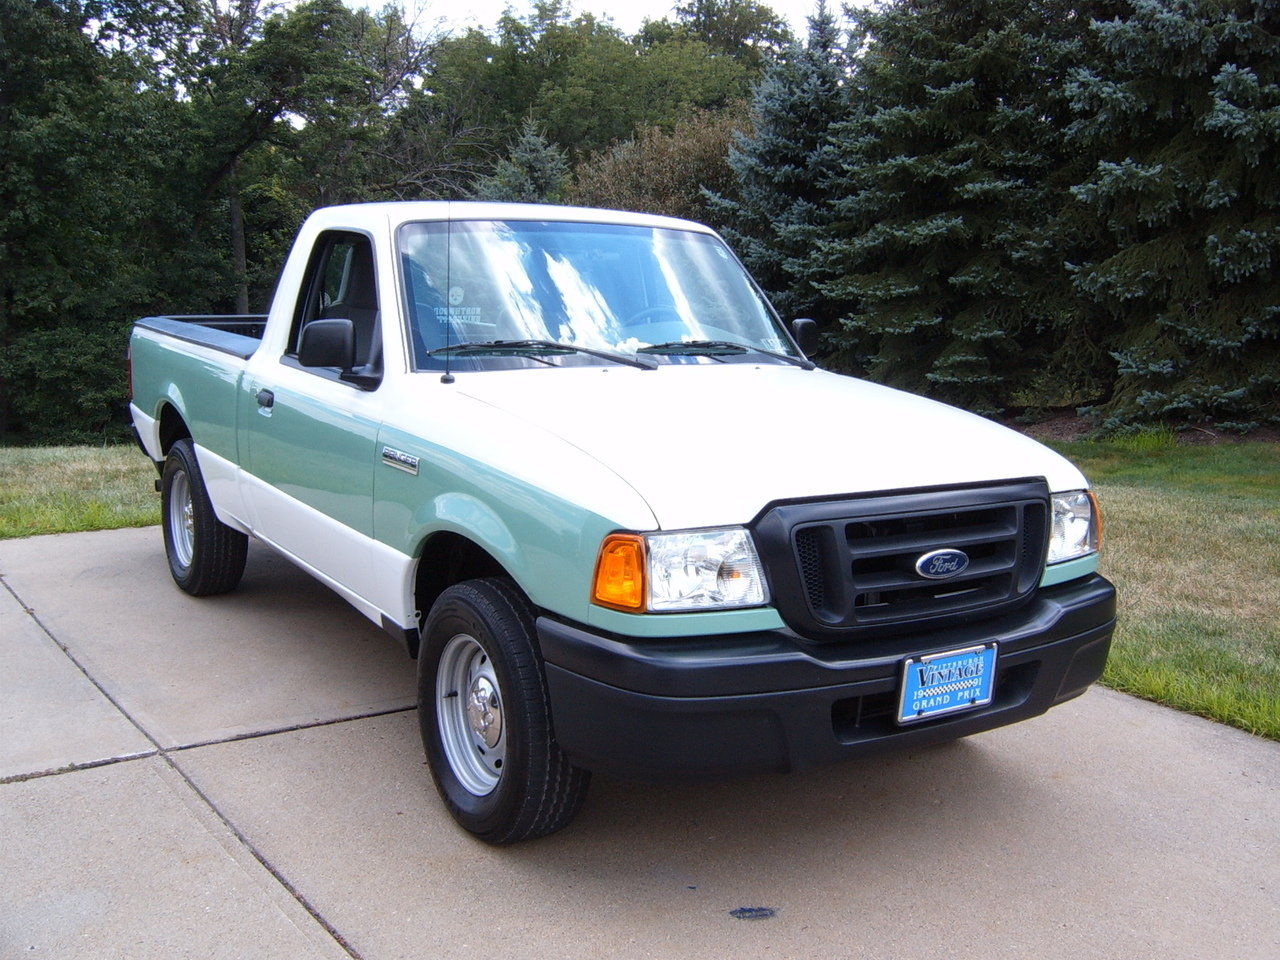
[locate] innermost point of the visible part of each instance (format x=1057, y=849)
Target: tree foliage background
x=1012, y=205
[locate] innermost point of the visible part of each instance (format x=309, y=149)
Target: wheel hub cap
x=484, y=712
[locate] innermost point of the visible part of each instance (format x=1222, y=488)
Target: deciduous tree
x=83, y=90
x=665, y=172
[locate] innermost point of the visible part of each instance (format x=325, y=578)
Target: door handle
x=266, y=398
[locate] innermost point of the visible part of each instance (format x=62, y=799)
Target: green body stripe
x=1069, y=570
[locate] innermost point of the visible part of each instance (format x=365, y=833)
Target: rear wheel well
x=172, y=428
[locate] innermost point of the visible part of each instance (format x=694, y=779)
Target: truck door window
x=342, y=283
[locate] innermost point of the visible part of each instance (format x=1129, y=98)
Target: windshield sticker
x=458, y=313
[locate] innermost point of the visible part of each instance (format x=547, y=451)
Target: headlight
x=674, y=572
x=1077, y=526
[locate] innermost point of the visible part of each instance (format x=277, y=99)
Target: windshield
x=484, y=294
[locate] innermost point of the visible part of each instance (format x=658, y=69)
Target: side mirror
x=328, y=343
x=806, y=334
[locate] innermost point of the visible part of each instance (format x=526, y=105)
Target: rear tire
x=486, y=717
x=206, y=556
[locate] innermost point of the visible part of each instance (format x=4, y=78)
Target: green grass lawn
x=68, y=489
x=1192, y=541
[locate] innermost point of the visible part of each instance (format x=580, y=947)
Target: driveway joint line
x=76, y=767
x=279, y=876
x=66, y=651
x=291, y=728
x=184, y=747
x=163, y=754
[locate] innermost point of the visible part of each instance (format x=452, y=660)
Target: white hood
x=708, y=445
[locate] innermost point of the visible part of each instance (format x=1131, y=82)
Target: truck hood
x=708, y=445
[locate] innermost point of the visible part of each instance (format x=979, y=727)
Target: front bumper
x=709, y=707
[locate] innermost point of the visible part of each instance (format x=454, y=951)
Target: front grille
x=851, y=565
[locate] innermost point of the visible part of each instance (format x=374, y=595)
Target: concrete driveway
x=242, y=777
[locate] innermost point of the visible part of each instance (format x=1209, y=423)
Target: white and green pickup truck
x=573, y=459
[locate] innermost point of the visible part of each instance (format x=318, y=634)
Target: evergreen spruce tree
x=942, y=249
x=535, y=172
x=1180, y=114
x=780, y=166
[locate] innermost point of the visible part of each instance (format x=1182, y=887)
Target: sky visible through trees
x=627, y=15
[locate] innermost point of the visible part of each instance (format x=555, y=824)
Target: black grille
x=809, y=554
x=851, y=565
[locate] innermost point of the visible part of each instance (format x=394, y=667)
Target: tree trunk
x=239, y=261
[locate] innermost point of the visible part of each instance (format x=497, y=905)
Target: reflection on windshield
x=603, y=287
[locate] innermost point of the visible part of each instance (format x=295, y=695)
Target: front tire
x=206, y=556
x=485, y=717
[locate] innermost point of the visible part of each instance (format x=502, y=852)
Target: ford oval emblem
x=942, y=564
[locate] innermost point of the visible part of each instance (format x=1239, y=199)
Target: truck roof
x=409, y=211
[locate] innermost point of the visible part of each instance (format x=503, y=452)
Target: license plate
x=947, y=683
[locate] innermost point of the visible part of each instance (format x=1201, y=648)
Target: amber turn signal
x=1097, y=520
x=620, y=572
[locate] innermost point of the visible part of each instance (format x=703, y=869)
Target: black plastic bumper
x=707, y=707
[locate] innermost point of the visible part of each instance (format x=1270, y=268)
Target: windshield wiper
x=717, y=348
x=536, y=349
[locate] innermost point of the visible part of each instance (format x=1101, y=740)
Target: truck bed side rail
x=238, y=335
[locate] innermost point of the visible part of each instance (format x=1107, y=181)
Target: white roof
x=409, y=211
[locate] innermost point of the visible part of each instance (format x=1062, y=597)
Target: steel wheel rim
x=182, y=520
x=469, y=711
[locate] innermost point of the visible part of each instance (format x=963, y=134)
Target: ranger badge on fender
x=402, y=461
